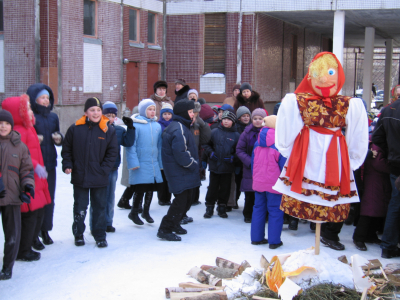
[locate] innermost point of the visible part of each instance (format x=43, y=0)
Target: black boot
x=222, y=211
x=37, y=244
x=30, y=256
x=79, y=240
x=294, y=223
x=124, y=203
x=169, y=236
x=209, y=212
x=134, y=216
x=46, y=238
x=146, y=207
x=5, y=274
x=140, y=206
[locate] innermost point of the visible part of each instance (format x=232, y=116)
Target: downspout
x=256, y=52
x=121, y=59
x=59, y=52
x=37, y=41
x=164, y=42
x=239, y=50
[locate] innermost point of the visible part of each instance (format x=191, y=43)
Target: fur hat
x=94, y=101
x=181, y=81
x=144, y=105
x=229, y=115
x=182, y=107
x=245, y=86
x=201, y=101
x=160, y=83
x=258, y=112
x=242, y=110
x=270, y=121
x=7, y=117
x=166, y=107
x=197, y=107
x=110, y=108
x=193, y=91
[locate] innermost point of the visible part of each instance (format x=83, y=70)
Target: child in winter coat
x=17, y=176
x=221, y=151
x=181, y=166
x=166, y=114
x=144, y=160
x=47, y=127
x=89, y=152
x=32, y=213
x=243, y=115
x=220, y=112
x=266, y=164
x=125, y=138
x=244, y=150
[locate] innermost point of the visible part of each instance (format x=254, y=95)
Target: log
x=212, y=280
x=262, y=298
x=212, y=296
x=243, y=266
x=264, y=263
x=179, y=296
x=224, y=263
x=220, y=272
x=170, y=290
x=199, y=285
x=198, y=274
x=317, y=237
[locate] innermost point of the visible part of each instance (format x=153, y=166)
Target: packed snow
x=136, y=264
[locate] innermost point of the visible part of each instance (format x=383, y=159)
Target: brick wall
x=19, y=47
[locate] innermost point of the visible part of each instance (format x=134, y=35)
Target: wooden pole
x=317, y=237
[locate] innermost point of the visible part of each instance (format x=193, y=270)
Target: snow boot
x=110, y=229
x=134, y=216
x=209, y=212
x=46, y=238
x=169, y=236
x=124, y=203
x=5, y=274
x=30, y=256
x=79, y=240
x=101, y=244
x=37, y=244
x=335, y=245
x=293, y=224
x=222, y=211
x=146, y=207
x=179, y=230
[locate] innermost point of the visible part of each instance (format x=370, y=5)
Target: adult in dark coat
x=387, y=137
x=181, y=90
x=375, y=199
x=249, y=98
x=181, y=167
x=47, y=126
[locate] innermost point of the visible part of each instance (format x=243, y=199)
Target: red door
x=132, y=85
x=152, y=77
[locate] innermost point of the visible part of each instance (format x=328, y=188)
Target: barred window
x=214, y=43
x=89, y=18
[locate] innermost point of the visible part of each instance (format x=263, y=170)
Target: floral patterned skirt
x=307, y=211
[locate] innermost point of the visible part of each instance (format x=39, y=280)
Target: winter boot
x=30, y=256
x=37, y=244
x=179, y=230
x=147, y=201
x=209, y=212
x=46, y=238
x=169, y=236
x=293, y=224
x=79, y=240
x=5, y=274
x=124, y=203
x=222, y=211
x=134, y=216
x=101, y=244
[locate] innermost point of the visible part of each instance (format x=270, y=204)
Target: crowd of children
x=168, y=147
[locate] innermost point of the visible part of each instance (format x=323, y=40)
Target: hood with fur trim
x=252, y=99
x=19, y=109
x=137, y=118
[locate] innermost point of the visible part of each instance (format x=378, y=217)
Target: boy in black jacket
x=221, y=151
x=89, y=152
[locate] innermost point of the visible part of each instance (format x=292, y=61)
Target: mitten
x=213, y=156
x=128, y=122
x=29, y=189
x=41, y=171
x=24, y=197
x=56, y=138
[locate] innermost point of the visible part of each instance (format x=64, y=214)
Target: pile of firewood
x=210, y=281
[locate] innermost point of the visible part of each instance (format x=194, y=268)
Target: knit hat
x=197, y=107
x=270, y=121
x=7, y=117
x=215, y=108
x=94, y=101
x=166, y=107
x=226, y=107
x=144, y=105
x=182, y=107
x=259, y=112
x=236, y=86
x=206, y=112
x=201, y=101
x=242, y=110
x=229, y=115
x=193, y=91
x=42, y=92
x=110, y=108
x=181, y=81
x=160, y=83
x=245, y=86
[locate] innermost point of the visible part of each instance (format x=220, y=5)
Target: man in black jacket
x=181, y=167
x=387, y=137
x=90, y=149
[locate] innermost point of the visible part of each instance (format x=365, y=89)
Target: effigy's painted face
x=326, y=84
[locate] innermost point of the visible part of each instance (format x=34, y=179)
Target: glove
x=56, y=138
x=213, y=156
x=204, y=165
x=2, y=193
x=24, y=197
x=128, y=122
x=41, y=171
x=40, y=137
x=229, y=159
x=29, y=189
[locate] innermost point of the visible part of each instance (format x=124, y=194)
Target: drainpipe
x=59, y=52
x=37, y=41
x=239, y=50
x=164, y=42
x=121, y=59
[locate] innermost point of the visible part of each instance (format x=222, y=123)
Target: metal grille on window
x=132, y=24
x=151, y=37
x=214, y=43
x=89, y=17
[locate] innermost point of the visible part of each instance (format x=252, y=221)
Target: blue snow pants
x=264, y=202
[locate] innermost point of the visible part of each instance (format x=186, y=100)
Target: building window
x=1, y=16
x=214, y=43
x=151, y=28
x=89, y=19
x=293, y=58
x=133, y=25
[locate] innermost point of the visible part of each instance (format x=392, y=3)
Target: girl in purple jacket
x=244, y=149
x=266, y=165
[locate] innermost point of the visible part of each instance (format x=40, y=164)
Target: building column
x=388, y=71
x=338, y=34
x=368, y=64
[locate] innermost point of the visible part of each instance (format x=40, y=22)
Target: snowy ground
x=136, y=264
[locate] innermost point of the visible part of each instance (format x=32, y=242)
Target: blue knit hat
x=110, y=108
x=144, y=105
x=166, y=107
x=42, y=92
